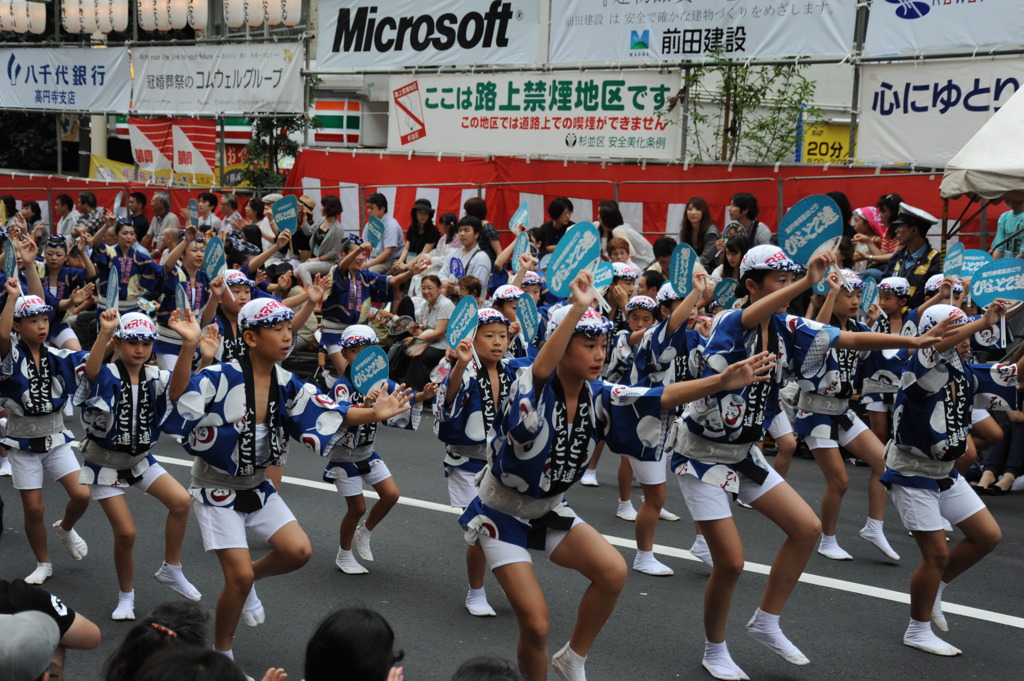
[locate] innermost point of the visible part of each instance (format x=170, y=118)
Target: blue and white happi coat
x=29, y=390
x=741, y=416
x=533, y=450
x=354, y=455
x=884, y=367
x=197, y=292
x=215, y=418
x=932, y=418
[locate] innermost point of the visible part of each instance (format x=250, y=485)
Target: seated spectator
x=470, y=286
x=552, y=231
x=487, y=668
x=663, y=248
x=426, y=344
x=28, y=641
x=175, y=624
x=1003, y=462
x=191, y=663
x=359, y=638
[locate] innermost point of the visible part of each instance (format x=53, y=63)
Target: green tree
x=746, y=112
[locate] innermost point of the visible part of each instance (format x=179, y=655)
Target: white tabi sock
x=646, y=563
x=477, y=605
x=829, y=547
x=125, y=610
x=938, y=617
x=252, y=612
x=568, y=665
x=919, y=635
x=764, y=628
x=719, y=663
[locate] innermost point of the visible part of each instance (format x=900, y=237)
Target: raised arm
x=463, y=356
x=825, y=313
x=90, y=267
x=109, y=320
x=7, y=316
x=526, y=263
x=189, y=331
x=544, y=364
x=28, y=250
x=681, y=314
x=217, y=289
x=766, y=307
x=171, y=259
x=314, y=296
x=109, y=221
x=751, y=370
x=280, y=241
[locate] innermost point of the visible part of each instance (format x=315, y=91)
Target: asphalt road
x=848, y=618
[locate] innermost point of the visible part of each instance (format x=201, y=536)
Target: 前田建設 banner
x=218, y=79
x=65, y=79
x=356, y=34
x=568, y=114
x=644, y=31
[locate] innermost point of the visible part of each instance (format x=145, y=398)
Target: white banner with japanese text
x=360, y=33
x=642, y=30
x=911, y=25
x=66, y=79
x=924, y=113
x=218, y=79
x=556, y=115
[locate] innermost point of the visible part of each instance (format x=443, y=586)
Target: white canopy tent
x=991, y=165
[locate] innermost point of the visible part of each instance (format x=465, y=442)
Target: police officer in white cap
x=916, y=260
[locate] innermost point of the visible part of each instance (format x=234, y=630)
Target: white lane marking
x=757, y=568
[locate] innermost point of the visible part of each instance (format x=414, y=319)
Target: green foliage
x=271, y=143
x=32, y=144
x=746, y=112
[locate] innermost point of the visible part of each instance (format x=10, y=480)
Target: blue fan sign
x=521, y=246
x=578, y=248
x=214, y=261
x=181, y=299
x=374, y=231
x=953, y=265
x=604, y=272
x=456, y=268
x=974, y=260
x=193, y=212
x=821, y=288
x=529, y=318
x=725, y=292
x=520, y=217
x=113, y=288
x=998, y=279
x=117, y=202
x=680, y=269
x=463, y=321
x=869, y=295
x=11, y=260
x=814, y=224
x=286, y=214
x=369, y=369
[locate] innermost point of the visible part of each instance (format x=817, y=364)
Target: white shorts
x=461, y=486
x=499, y=553
x=353, y=487
x=708, y=502
x=878, y=407
x=27, y=468
x=923, y=509
x=224, y=528
x=845, y=437
x=149, y=476
x=780, y=426
x=648, y=472
x=63, y=337
x=332, y=349
x=979, y=415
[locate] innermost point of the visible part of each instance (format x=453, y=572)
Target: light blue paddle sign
x=463, y=322
x=953, y=265
x=520, y=217
x=521, y=246
x=193, y=212
x=181, y=300
x=725, y=292
x=813, y=225
x=286, y=214
x=604, y=273
x=456, y=268
x=680, y=269
x=529, y=318
x=821, y=288
x=117, y=202
x=1002, y=278
x=869, y=295
x=113, y=288
x=214, y=262
x=10, y=260
x=369, y=369
x=578, y=248
x=374, y=230
x=974, y=260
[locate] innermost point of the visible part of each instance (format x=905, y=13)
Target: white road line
x=757, y=568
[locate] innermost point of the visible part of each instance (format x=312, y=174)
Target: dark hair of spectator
x=421, y=204
x=609, y=214
x=37, y=213
x=232, y=201
x=559, y=206
x=653, y=279
x=471, y=221
x=140, y=198
x=449, y=221
x=210, y=198
x=87, y=199
x=487, y=668
x=736, y=244
x=190, y=663
x=663, y=246
x=360, y=638
x=177, y=623
x=476, y=207
x=66, y=201
x=687, y=233
x=253, y=235
x=472, y=285
x=379, y=200
x=331, y=206
x=257, y=207
x=747, y=203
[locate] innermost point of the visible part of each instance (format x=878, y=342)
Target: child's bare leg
x=519, y=583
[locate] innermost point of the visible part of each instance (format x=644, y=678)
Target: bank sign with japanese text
x=646, y=30
x=557, y=115
x=66, y=79
x=218, y=79
x=371, y=33
x=923, y=113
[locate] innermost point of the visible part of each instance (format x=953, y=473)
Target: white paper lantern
x=87, y=16
x=234, y=13
x=119, y=15
x=178, y=11
x=198, y=14
x=6, y=20
x=36, y=17
x=17, y=19
x=69, y=16
x=146, y=14
x=253, y=13
x=292, y=12
x=104, y=22
x=274, y=11
x=163, y=15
